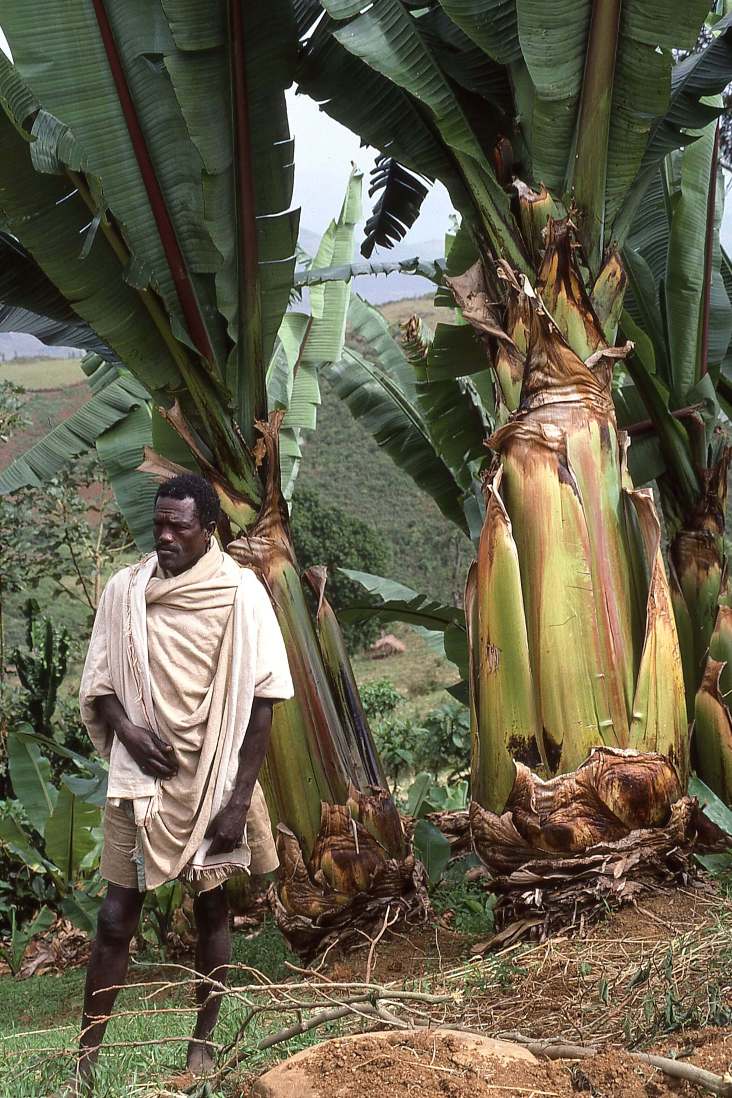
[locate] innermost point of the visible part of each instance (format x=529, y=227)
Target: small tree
x=326, y=534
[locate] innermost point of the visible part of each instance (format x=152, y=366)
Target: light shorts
x=120, y=840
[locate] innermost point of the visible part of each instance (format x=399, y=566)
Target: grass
x=43, y=373
x=39, y=1022
x=418, y=674
x=662, y=969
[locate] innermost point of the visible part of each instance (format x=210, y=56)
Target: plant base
x=352, y=885
x=567, y=849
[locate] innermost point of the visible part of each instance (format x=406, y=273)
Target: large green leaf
x=49, y=215
x=246, y=187
x=553, y=43
x=694, y=229
x=699, y=76
x=717, y=811
x=305, y=343
x=329, y=302
x=649, y=234
x=74, y=435
x=198, y=185
x=443, y=627
x=387, y=38
x=378, y=403
x=49, y=218
x=69, y=833
x=89, y=764
x=450, y=406
x=30, y=773
x=432, y=849
x=491, y=24
x=31, y=303
x=370, y=333
x=82, y=909
x=383, y=113
x=466, y=64
x=18, y=843
x=649, y=31
x=120, y=450
x=281, y=378
x=70, y=55
x=431, y=379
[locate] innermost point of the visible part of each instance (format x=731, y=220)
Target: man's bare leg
x=118, y=920
x=213, y=953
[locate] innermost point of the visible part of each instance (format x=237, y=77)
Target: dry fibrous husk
x=61, y=947
x=598, y=837
x=359, y=876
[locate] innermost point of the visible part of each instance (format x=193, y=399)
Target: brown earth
x=654, y=977
x=433, y=1064
x=44, y=409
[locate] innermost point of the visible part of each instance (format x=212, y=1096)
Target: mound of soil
x=439, y=1064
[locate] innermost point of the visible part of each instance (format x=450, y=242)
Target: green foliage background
x=343, y=463
x=329, y=535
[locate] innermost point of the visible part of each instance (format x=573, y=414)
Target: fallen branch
x=556, y=1050
x=370, y=1005
x=677, y=1070
x=551, y=1049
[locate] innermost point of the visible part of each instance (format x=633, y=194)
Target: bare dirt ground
x=430, y=1067
x=656, y=977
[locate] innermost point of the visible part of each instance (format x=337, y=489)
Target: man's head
x=186, y=512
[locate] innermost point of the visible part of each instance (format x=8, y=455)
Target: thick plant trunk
x=576, y=669
x=344, y=856
x=698, y=572
x=572, y=632
x=701, y=601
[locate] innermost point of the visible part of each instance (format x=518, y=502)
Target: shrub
x=445, y=740
x=324, y=534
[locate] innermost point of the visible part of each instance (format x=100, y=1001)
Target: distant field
x=43, y=373
x=44, y=408
x=397, y=312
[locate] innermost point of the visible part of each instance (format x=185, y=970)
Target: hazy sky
x=324, y=152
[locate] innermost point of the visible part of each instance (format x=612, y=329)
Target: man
x=185, y=663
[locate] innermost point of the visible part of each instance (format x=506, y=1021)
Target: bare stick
x=377, y=939
x=554, y=1050
x=676, y=1070
x=551, y=1049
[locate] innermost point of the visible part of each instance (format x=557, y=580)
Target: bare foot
x=200, y=1060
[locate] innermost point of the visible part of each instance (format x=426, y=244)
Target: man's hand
x=154, y=756
x=226, y=829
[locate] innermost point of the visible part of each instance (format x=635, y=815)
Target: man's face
x=180, y=540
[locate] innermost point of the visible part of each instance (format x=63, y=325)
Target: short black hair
x=192, y=486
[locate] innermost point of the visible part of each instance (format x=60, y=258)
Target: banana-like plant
x=547, y=125
x=679, y=315
x=147, y=172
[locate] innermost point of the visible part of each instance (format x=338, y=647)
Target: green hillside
x=341, y=461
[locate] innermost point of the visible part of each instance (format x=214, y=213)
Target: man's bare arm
x=227, y=827
x=153, y=755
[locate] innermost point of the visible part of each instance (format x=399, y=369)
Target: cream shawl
x=185, y=656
